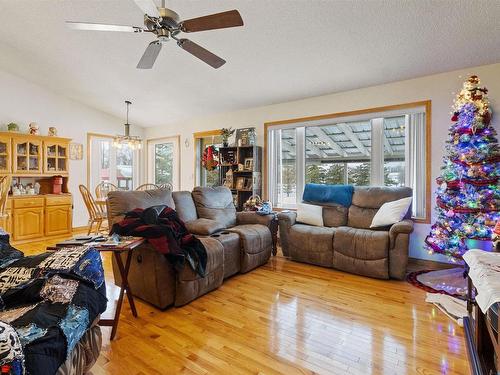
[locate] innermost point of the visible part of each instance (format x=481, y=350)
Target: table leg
x=124, y=287
x=274, y=233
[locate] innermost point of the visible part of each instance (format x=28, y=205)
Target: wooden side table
x=273, y=227
x=124, y=269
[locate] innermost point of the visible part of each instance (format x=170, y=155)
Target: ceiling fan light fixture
x=131, y=141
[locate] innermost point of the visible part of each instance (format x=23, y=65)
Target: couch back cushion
x=184, y=205
x=335, y=215
x=215, y=203
x=121, y=202
x=366, y=201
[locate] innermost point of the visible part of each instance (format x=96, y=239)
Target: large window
x=163, y=161
x=380, y=148
x=115, y=165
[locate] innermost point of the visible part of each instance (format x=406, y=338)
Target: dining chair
x=167, y=186
x=5, y=182
x=96, y=215
x=103, y=188
x=147, y=187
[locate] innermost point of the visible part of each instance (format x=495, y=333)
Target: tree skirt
x=446, y=289
x=450, y=281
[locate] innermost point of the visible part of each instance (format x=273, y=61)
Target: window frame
x=150, y=159
x=197, y=137
x=135, y=161
x=363, y=114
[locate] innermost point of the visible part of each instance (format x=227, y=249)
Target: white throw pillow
x=391, y=212
x=310, y=214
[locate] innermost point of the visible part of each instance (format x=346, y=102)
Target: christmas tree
x=468, y=196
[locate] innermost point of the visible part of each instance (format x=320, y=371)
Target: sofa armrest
x=404, y=226
x=399, y=241
x=251, y=217
x=287, y=217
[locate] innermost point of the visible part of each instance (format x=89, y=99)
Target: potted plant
x=225, y=134
x=12, y=127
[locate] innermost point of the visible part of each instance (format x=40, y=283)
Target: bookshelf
x=240, y=170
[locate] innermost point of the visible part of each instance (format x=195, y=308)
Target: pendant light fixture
x=127, y=140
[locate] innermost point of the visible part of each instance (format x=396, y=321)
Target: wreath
x=210, y=158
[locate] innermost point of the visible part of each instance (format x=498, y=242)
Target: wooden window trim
x=428, y=118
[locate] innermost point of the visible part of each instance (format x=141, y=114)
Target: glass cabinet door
x=27, y=156
x=56, y=155
x=5, y=155
x=34, y=164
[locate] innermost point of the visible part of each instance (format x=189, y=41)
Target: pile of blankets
x=47, y=303
x=167, y=233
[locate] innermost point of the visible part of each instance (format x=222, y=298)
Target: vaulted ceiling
x=288, y=49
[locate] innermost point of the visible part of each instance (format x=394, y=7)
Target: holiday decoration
x=210, y=158
x=468, y=194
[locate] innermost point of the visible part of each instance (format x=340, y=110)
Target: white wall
x=438, y=88
x=23, y=102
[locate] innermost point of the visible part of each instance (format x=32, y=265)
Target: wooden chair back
x=147, y=187
x=88, y=199
x=103, y=188
x=167, y=185
x=5, y=182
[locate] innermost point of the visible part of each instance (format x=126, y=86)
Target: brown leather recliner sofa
x=236, y=242
x=346, y=241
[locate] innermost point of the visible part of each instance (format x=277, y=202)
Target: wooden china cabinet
x=31, y=159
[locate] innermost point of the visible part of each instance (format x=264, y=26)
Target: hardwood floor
x=286, y=318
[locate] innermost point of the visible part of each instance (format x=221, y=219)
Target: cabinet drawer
x=57, y=201
x=28, y=202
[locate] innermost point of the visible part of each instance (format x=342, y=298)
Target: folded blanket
x=167, y=233
x=320, y=193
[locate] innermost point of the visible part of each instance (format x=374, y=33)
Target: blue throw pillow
x=319, y=193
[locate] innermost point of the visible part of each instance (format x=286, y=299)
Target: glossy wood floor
x=286, y=318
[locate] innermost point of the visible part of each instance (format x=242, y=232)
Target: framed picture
x=75, y=151
x=248, y=164
x=245, y=136
x=240, y=183
x=248, y=184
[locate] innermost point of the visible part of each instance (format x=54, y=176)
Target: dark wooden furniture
x=481, y=336
x=245, y=162
x=124, y=269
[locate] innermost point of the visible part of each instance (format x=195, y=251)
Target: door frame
x=176, y=140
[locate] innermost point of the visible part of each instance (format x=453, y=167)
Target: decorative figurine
x=33, y=128
x=12, y=127
x=37, y=188
x=52, y=131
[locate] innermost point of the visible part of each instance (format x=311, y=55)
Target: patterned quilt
x=47, y=303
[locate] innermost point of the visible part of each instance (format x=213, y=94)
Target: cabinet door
x=27, y=155
x=55, y=157
x=5, y=154
x=57, y=220
x=27, y=223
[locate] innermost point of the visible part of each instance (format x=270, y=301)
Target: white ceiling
x=287, y=50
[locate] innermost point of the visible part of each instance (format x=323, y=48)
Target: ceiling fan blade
x=196, y=50
x=150, y=54
x=148, y=7
x=231, y=18
x=102, y=27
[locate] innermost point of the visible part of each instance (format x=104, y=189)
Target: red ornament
x=454, y=118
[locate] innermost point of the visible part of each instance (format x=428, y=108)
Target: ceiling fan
x=166, y=25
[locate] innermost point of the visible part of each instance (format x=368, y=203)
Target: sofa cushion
x=184, y=205
x=190, y=285
x=335, y=215
x=256, y=245
x=232, y=251
x=311, y=244
x=376, y=196
x=216, y=204
x=310, y=214
x=204, y=227
x=360, y=217
x=362, y=251
x=120, y=202
x=391, y=212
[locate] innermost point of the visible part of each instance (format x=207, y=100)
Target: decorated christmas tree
x=468, y=196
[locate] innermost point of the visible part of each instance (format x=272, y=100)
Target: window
x=202, y=141
x=106, y=163
x=163, y=161
x=378, y=148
